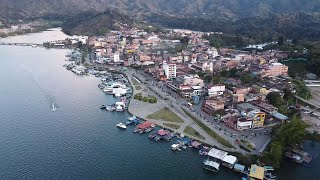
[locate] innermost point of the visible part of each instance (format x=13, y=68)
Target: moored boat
x=102, y=107
x=175, y=147
x=121, y=126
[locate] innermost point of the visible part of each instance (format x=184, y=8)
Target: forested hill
x=235, y=9
x=292, y=25
x=251, y=18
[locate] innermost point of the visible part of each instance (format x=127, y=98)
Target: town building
x=275, y=69
x=243, y=123
x=170, y=70
x=216, y=89
x=212, y=105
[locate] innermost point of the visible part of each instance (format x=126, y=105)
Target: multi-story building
x=244, y=123
x=212, y=105
x=216, y=89
x=275, y=69
x=170, y=70
x=116, y=57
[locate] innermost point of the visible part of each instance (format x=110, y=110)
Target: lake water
x=80, y=141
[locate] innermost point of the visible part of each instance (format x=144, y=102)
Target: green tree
x=276, y=100
x=246, y=79
x=79, y=45
x=293, y=133
x=302, y=89
x=208, y=78
x=275, y=154
x=233, y=72
x=287, y=136
x=281, y=41
x=216, y=79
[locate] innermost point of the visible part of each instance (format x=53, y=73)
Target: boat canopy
x=163, y=132
x=195, y=144
x=239, y=167
x=229, y=159
x=211, y=164
x=268, y=168
x=256, y=172
x=216, y=153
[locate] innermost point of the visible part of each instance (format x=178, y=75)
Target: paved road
x=257, y=137
x=142, y=109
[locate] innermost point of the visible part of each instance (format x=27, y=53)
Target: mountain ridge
x=234, y=9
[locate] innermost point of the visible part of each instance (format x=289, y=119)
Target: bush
x=145, y=99
x=138, y=96
x=152, y=99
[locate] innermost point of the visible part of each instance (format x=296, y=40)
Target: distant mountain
x=95, y=23
x=253, y=18
x=209, y=8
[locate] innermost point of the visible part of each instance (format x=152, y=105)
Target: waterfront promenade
x=143, y=109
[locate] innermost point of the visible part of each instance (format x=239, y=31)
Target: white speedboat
x=120, y=106
x=116, y=88
x=53, y=108
x=121, y=126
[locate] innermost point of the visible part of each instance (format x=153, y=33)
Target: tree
x=302, y=89
x=233, y=72
x=208, y=78
x=275, y=154
x=281, y=41
x=276, y=100
x=79, y=45
x=247, y=79
x=185, y=40
x=287, y=136
x=293, y=133
x=216, y=79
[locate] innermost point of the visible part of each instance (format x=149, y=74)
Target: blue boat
x=129, y=123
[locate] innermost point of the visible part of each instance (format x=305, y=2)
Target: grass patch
x=213, y=134
x=138, y=88
x=173, y=126
x=189, y=130
x=167, y=115
x=135, y=82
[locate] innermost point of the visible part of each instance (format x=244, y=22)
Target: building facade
x=170, y=70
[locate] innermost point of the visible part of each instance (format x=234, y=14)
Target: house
x=231, y=122
x=246, y=107
x=241, y=90
x=254, y=97
x=244, y=123
x=232, y=81
x=266, y=107
x=257, y=117
x=212, y=105
x=216, y=89
x=144, y=57
x=237, y=98
x=259, y=90
x=274, y=69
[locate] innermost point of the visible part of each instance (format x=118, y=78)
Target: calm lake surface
x=80, y=141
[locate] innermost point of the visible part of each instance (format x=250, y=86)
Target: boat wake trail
x=48, y=96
